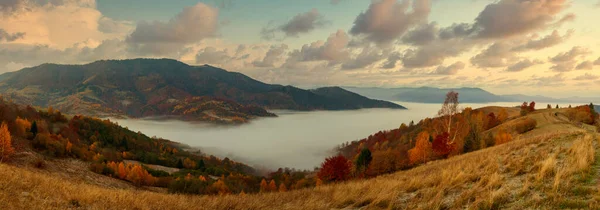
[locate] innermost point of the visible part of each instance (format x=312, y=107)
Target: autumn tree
x=363, y=160
x=272, y=186
x=549, y=106
x=502, y=137
x=502, y=115
x=334, y=169
x=282, y=188
x=189, y=163
x=524, y=109
x=22, y=126
x=136, y=175
x=452, y=123
x=422, y=150
x=532, y=106
x=441, y=145
x=264, y=187
x=6, y=148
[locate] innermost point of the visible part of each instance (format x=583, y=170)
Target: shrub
x=335, y=169
x=525, y=125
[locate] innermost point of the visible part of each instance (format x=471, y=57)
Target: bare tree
x=449, y=109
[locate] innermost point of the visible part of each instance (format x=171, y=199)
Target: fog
x=299, y=140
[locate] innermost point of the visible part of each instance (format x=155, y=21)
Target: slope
x=157, y=87
x=553, y=166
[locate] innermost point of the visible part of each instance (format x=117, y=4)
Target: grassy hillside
x=552, y=166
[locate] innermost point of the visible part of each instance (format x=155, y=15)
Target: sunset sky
x=546, y=47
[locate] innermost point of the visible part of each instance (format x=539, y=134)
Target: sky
x=536, y=47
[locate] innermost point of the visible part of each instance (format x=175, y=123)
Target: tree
x=452, y=123
x=264, y=187
x=282, y=188
x=524, y=109
x=549, y=106
x=441, y=145
x=122, y=171
x=179, y=163
x=557, y=106
x=334, y=169
x=200, y=165
x=422, y=150
x=502, y=115
x=34, y=128
x=189, y=163
x=272, y=186
x=6, y=148
x=448, y=110
x=532, y=106
x=502, y=137
x=363, y=160
x=136, y=175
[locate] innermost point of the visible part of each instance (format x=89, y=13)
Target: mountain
x=467, y=95
x=164, y=87
x=429, y=94
x=344, y=98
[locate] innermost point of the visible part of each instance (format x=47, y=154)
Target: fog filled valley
x=300, y=140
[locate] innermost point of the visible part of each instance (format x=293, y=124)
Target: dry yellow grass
x=541, y=170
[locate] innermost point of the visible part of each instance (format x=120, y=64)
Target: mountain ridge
x=468, y=94
x=162, y=87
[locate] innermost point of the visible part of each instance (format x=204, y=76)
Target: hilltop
x=163, y=87
x=553, y=165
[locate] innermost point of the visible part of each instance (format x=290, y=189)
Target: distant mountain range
x=164, y=87
x=466, y=95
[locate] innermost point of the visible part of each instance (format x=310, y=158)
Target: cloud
x=387, y=20
x=391, y=61
x=303, y=23
x=571, y=55
x=597, y=62
x=210, y=55
x=299, y=24
x=508, y=18
x=567, y=61
x=435, y=53
x=5, y=36
x=586, y=76
x=450, y=70
x=564, y=66
x=421, y=35
x=496, y=55
x=555, y=80
x=585, y=65
x=273, y=56
x=333, y=50
x=545, y=42
x=367, y=56
x=191, y=25
x=522, y=65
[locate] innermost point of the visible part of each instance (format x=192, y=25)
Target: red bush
x=335, y=169
x=441, y=144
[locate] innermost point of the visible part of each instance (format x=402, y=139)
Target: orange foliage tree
x=264, y=187
x=334, y=169
x=422, y=150
x=272, y=186
x=189, y=163
x=282, y=188
x=22, y=126
x=502, y=137
x=6, y=148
